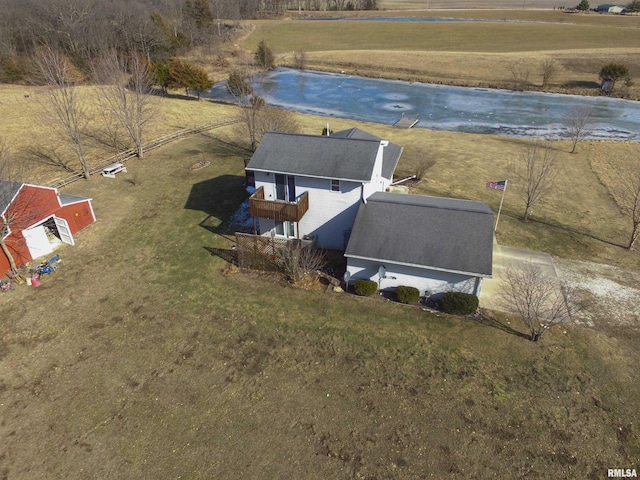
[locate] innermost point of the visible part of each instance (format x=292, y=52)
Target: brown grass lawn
x=141, y=358
x=467, y=4
x=579, y=220
x=144, y=356
x=22, y=113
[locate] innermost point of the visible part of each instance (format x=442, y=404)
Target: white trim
x=65, y=236
x=310, y=176
x=415, y=265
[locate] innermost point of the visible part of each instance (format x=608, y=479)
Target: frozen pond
x=404, y=19
x=438, y=107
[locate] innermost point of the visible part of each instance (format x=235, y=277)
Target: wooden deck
x=405, y=122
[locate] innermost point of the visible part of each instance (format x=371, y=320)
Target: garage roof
x=433, y=232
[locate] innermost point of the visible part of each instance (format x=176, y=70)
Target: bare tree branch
x=578, y=123
x=126, y=86
x=549, y=71
x=535, y=173
x=10, y=184
x=297, y=262
x=259, y=119
x=62, y=103
x=520, y=72
x=626, y=191
x=539, y=301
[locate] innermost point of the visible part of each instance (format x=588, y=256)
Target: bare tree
x=125, y=82
x=12, y=212
x=300, y=59
x=626, y=191
x=259, y=119
x=63, y=104
x=298, y=261
x=423, y=165
x=535, y=173
x=540, y=301
x=549, y=71
x=578, y=123
x=520, y=72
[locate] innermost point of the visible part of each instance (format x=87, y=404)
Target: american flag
x=498, y=185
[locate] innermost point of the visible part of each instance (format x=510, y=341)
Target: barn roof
x=348, y=155
x=433, y=232
x=8, y=190
x=66, y=199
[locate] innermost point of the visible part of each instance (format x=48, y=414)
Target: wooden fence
x=259, y=252
x=127, y=154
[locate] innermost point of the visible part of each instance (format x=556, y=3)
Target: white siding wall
x=330, y=214
x=429, y=282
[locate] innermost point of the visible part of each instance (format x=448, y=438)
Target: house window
x=285, y=187
x=285, y=229
x=335, y=185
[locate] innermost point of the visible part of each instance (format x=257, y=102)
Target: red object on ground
x=35, y=280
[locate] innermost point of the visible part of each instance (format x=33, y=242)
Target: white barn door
x=64, y=231
x=37, y=241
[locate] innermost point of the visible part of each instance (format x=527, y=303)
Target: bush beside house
x=459, y=303
x=365, y=288
x=408, y=295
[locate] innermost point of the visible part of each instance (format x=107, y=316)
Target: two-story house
x=312, y=185
x=334, y=189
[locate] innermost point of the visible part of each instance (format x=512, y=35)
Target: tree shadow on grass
x=493, y=322
x=582, y=84
x=226, y=254
x=218, y=198
x=566, y=229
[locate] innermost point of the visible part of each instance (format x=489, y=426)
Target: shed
x=38, y=219
x=431, y=243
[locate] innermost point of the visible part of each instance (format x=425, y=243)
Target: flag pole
x=495, y=229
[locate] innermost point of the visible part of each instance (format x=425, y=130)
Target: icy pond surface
x=438, y=107
x=406, y=19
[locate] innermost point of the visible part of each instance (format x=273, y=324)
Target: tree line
x=158, y=29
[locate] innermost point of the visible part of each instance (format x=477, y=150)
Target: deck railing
x=278, y=209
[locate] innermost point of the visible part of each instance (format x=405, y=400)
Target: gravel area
x=612, y=293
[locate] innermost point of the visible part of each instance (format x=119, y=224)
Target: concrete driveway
x=503, y=258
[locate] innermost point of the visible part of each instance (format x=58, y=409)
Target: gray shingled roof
x=440, y=233
x=66, y=199
x=8, y=190
x=341, y=157
x=391, y=153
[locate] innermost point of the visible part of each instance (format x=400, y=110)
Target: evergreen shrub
x=459, y=303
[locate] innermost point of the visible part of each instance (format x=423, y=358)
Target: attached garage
x=433, y=244
x=38, y=220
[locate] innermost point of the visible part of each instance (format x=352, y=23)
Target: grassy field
x=468, y=4
x=466, y=53
x=579, y=220
x=143, y=357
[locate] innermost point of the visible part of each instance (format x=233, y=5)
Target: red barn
x=34, y=220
